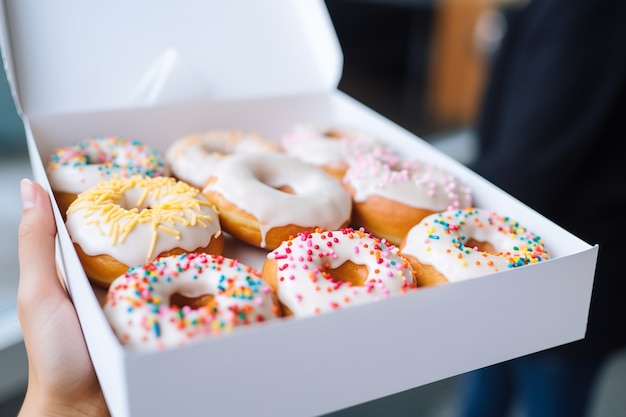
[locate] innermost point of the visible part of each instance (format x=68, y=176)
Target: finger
x=37, y=231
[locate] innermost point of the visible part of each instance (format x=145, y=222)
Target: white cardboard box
x=154, y=71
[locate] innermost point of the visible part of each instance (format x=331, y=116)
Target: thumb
x=37, y=231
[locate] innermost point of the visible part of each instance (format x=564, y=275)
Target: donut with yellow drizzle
x=125, y=222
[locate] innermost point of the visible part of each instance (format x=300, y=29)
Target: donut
x=323, y=271
x=128, y=221
x=264, y=201
x=389, y=197
x=192, y=158
x=75, y=168
x=331, y=149
x=177, y=300
x=457, y=245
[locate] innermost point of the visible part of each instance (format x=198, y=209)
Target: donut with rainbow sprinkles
x=327, y=270
x=177, y=300
x=467, y=243
x=75, y=168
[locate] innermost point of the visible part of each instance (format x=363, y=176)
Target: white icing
x=193, y=158
x=438, y=239
x=415, y=184
x=306, y=290
x=138, y=303
x=149, y=209
x=250, y=182
x=315, y=146
x=75, y=168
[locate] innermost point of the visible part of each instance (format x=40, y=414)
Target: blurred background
x=420, y=63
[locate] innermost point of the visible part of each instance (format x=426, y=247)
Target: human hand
x=61, y=378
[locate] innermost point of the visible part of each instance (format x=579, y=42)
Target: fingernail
x=29, y=196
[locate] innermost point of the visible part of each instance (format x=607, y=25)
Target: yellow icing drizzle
x=175, y=205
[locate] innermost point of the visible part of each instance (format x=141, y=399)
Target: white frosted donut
x=461, y=244
x=75, y=168
x=176, y=300
x=192, y=158
x=332, y=149
x=326, y=270
x=389, y=197
x=124, y=222
x=264, y=200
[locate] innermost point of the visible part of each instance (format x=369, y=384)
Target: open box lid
x=69, y=55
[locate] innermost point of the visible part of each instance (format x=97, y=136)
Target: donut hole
x=334, y=134
x=269, y=180
x=205, y=300
x=134, y=198
x=348, y=272
x=217, y=153
x=286, y=189
x=480, y=246
x=96, y=157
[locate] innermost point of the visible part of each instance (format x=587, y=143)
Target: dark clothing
x=551, y=130
x=543, y=385
x=551, y=127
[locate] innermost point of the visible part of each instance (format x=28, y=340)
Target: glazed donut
x=192, y=158
x=390, y=198
x=326, y=270
x=75, y=168
x=460, y=244
x=263, y=201
x=176, y=300
x=331, y=149
x=120, y=223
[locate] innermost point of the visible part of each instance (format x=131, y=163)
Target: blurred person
x=549, y=133
x=608, y=398
x=61, y=378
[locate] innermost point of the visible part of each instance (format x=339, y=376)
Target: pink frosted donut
x=389, y=197
x=176, y=300
x=326, y=270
